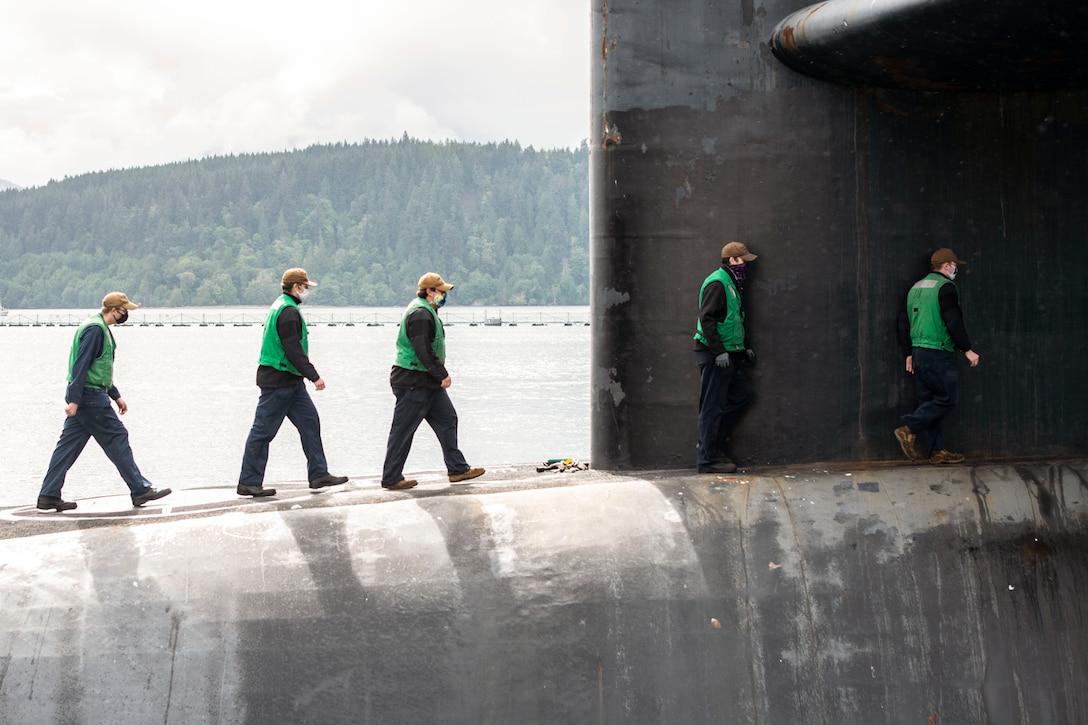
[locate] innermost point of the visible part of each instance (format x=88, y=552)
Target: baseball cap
x=736, y=249
x=296, y=275
x=117, y=299
x=433, y=280
x=944, y=254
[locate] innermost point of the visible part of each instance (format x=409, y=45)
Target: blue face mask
x=740, y=272
x=440, y=298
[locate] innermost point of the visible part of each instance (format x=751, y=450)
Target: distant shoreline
x=240, y=316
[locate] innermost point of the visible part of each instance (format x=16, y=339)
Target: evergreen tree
x=510, y=225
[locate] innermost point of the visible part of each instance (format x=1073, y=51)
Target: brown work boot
x=401, y=484
x=905, y=437
x=466, y=475
x=943, y=456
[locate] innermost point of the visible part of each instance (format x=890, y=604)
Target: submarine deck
x=809, y=593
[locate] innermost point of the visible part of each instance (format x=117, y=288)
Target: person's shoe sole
x=328, y=481
x=906, y=442
x=151, y=495
x=466, y=475
x=255, y=491
x=718, y=468
x=401, y=485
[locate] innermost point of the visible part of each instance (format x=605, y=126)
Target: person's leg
x=409, y=412
x=936, y=385
x=919, y=420
x=946, y=385
x=73, y=439
x=303, y=415
x=738, y=397
x=713, y=398
x=271, y=410
x=112, y=435
x=442, y=417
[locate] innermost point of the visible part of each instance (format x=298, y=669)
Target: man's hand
x=70, y=409
x=723, y=361
x=122, y=406
x=447, y=382
x=319, y=384
x=751, y=355
x=910, y=364
x=972, y=358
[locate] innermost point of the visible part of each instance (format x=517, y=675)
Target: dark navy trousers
x=292, y=402
x=723, y=395
x=415, y=405
x=96, y=418
x=936, y=382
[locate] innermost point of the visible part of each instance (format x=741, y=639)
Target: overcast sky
x=110, y=84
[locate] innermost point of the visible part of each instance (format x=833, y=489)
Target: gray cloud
x=121, y=83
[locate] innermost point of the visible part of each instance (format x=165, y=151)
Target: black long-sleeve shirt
x=948, y=298
x=90, y=347
x=421, y=332
x=289, y=328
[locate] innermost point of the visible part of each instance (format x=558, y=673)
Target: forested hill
x=509, y=225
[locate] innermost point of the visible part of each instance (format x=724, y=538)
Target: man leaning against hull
x=720, y=349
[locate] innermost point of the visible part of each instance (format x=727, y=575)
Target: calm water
x=521, y=392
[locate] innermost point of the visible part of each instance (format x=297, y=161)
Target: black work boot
x=150, y=494
x=255, y=491
x=46, y=503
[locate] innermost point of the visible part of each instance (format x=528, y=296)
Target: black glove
x=751, y=356
x=723, y=361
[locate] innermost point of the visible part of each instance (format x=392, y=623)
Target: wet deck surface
x=877, y=593
x=186, y=503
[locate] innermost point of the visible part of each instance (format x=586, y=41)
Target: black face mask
x=123, y=318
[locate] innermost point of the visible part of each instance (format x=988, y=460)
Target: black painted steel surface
x=1000, y=45
x=852, y=595
x=702, y=136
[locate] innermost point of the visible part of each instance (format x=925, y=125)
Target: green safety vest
x=927, y=329
x=731, y=329
x=406, y=355
x=272, y=353
x=100, y=374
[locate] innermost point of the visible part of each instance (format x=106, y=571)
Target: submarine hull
x=702, y=136
x=878, y=595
